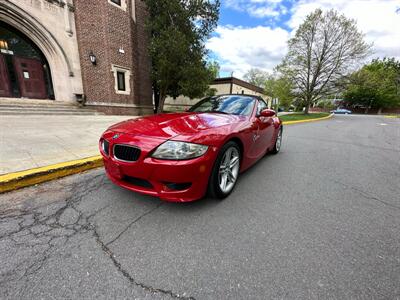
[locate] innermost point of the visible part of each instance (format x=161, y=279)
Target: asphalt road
x=319, y=220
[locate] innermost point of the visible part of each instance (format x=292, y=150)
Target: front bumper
x=175, y=181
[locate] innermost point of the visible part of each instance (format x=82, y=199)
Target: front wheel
x=278, y=142
x=225, y=171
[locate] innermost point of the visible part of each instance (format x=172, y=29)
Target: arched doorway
x=24, y=70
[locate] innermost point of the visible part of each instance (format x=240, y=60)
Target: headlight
x=179, y=150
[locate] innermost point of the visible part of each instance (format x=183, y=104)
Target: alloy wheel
x=229, y=169
x=279, y=140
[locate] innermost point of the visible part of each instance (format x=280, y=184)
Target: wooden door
x=5, y=86
x=30, y=77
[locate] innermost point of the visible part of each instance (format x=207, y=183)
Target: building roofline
x=239, y=82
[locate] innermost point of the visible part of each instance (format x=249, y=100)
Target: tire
x=221, y=174
x=278, y=142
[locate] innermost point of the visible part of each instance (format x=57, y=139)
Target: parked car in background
x=180, y=156
x=341, y=111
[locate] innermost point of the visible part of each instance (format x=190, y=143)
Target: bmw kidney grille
x=126, y=153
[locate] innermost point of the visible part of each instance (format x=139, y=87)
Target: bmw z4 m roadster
x=180, y=157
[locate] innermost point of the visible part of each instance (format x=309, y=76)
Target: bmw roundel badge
x=115, y=136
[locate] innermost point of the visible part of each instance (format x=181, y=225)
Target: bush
x=325, y=104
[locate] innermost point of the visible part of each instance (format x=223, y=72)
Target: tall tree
x=214, y=67
x=325, y=47
x=256, y=76
x=376, y=85
x=280, y=87
x=178, y=30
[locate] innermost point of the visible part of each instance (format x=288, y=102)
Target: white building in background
x=222, y=86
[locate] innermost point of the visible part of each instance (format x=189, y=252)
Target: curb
x=308, y=120
x=17, y=180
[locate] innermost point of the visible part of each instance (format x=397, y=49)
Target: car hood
x=167, y=126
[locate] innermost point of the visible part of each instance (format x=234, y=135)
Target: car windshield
x=235, y=105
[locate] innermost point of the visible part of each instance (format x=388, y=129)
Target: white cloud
x=240, y=49
x=379, y=20
x=258, y=8
x=261, y=12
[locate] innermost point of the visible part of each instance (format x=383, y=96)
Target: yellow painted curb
x=392, y=117
x=308, y=120
x=17, y=180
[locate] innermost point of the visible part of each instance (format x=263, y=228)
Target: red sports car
x=180, y=157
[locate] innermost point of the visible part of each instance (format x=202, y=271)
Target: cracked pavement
x=319, y=220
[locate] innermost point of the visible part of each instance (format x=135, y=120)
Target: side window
x=119, y=3
x=122, y=82
x=260, y=106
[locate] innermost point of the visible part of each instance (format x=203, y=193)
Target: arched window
x=24, y=71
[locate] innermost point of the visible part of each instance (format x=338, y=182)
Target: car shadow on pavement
x=139, y=199
x=205, y=203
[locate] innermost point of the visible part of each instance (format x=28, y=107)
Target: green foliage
x=281, y=88
x=302, y=116
x=375, y=85
x=256, y=76
x=210, y=92
x=178, y=30
x=214, y=68
x=324, y=48
x=326, y=104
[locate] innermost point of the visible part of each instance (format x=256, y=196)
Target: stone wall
x=51, y=26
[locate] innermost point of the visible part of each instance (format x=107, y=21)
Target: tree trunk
x=380, y=111
x=160, y=106
x=156, y=97
x=307, y=108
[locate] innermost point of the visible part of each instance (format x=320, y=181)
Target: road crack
x=129, y=277
x=44, y=229
x=366, y=195
x=133, y=222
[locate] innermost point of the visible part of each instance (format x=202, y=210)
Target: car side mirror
x=267, y=113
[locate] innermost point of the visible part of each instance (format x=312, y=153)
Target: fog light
x=177, y=186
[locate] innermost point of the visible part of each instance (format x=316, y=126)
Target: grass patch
x=301, y=116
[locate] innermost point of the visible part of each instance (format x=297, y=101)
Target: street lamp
x=93, y=58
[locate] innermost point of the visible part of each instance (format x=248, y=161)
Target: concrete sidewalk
x=31, y=141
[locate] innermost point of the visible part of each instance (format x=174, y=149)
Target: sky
x=254, y=33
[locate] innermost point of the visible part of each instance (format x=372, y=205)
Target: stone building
x=76, y=50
